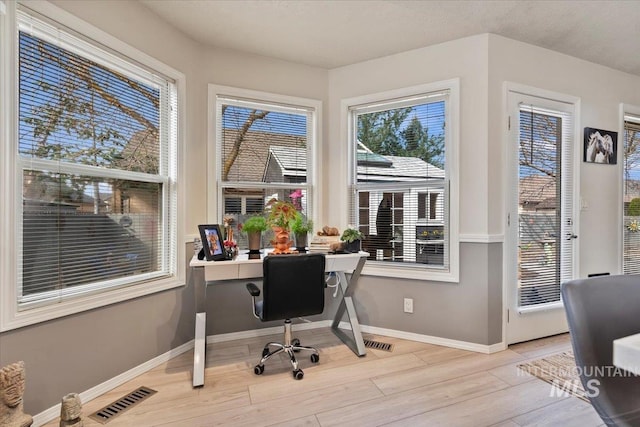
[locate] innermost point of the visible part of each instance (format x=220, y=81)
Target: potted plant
x=301, y=227
x=352, y=239
x=253, y=227
x=281, y=215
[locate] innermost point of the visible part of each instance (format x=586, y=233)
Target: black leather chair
x=600, y=310
x=293, y=286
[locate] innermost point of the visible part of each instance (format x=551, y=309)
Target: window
x=631, y=240
x=402, y=169
x=94, y=175
x=264, y=145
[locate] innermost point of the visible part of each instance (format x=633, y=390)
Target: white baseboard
x=53, y=412
x=462, y=345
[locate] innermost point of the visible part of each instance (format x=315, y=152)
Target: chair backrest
x=600, y=310
x=293, y=286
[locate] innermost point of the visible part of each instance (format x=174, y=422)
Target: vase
x=352, y=247
x=281, y=241
x=302, y=240
x=255, y=241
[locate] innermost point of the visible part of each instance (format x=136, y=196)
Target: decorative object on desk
x=212, y=242
x=324, y=239
x=352, y=239
x=71, y=411
x=12, y=381
x=301, y=228
x=253, y=227
x=281, y=215
x=230, y=249
x=600, y=146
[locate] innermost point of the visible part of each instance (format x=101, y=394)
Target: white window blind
x=545, y=204
x=265, y=151
x=631, y=212
x=401, y=197
x=96, y=151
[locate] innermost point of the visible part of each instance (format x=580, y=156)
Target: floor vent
x=377, y=345
x=122, y=405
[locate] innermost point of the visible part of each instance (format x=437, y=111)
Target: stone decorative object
x=71, y=411
x=12, y=380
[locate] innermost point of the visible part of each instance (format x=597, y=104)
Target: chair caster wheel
x=295, y=342
x=298, y=374
x=315, y=358
x=258, y=369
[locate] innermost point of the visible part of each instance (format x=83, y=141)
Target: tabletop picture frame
x=211, y=241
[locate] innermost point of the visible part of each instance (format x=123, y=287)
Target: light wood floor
x=416, y=384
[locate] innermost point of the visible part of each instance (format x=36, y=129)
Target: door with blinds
x=631, y=207
x=540, y=236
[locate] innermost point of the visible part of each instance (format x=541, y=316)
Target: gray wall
x=78, y=352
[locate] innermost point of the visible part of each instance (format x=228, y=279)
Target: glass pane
x=397, y=235
x=263, y=146
x=539, y=208
x=79, y=230
x=74, y=110
x=254, y=202
x=401, y=144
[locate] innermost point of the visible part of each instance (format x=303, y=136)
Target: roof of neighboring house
x=250, y=165
x=538, y=191
x=371, y=167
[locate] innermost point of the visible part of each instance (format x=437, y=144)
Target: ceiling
x=331, y=34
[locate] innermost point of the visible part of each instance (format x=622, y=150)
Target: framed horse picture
x=600, y=146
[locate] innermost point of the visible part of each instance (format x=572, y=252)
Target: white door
x=540, y=239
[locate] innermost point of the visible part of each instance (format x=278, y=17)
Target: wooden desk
x=242, y=267
x=626, y=353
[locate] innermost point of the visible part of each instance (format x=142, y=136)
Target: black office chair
x=293, y=286
x=600, y=310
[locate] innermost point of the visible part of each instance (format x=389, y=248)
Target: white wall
x=601, y=91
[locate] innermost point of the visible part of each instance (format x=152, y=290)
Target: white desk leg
x=356, y=344
x=199, y=352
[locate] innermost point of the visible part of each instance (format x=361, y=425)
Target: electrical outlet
x=408, y=305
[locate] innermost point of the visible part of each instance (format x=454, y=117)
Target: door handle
x=571, y=236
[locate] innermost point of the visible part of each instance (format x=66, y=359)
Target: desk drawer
x=249, y=271
x=225, y=270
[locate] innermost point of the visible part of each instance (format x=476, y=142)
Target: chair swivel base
x=290, y=347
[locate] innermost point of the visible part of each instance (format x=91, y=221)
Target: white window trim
x=10, y=317
x=214, y=189
x=634, y=110
x=452, y=139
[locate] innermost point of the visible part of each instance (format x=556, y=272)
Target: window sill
x=13, y=319
x=415, y=272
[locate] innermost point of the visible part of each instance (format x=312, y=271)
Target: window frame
x=215, y=203
x=12, y=316
x=452, y=132
x=625, y=110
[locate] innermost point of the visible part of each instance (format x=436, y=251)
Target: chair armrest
x=253, y=289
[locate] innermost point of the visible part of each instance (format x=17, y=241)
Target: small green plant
x=255, y=224
x=350, y=235
x=634, y=207
x=301, y=225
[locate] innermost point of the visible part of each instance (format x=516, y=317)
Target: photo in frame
x=211, y=242
x=600, y=146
